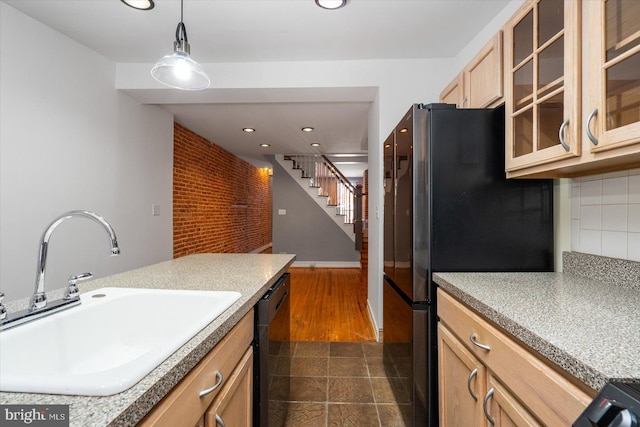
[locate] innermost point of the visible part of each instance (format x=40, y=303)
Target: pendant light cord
x=181, y=30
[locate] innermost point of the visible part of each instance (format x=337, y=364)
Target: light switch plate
x=282, y=211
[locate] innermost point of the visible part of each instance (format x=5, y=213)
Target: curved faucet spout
x=39, y=299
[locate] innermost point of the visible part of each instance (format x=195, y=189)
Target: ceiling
x=222, y=31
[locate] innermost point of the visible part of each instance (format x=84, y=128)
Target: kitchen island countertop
x=586, y=327
x=249, y=274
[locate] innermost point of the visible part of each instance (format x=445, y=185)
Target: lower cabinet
x=233, y=407
x=217, y=391
x=488, y=379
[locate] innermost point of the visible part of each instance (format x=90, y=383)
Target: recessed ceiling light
x=248, y=130
x=139, y=4
x=331, y=4
x=265, y=145
x=307, y=129
x=315, y=144
x=404, y=130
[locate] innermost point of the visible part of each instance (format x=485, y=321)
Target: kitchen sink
x=106, y=344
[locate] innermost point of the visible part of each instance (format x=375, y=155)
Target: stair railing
x=331, y=183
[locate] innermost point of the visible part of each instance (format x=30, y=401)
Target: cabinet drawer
x=183, y=405
x=545, y=392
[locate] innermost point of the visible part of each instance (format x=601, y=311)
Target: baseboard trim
x=265, y=247
x=326, y=264
x=376, y=329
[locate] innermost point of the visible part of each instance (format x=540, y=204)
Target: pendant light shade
x=178, y=70
x=331, y=4
x=139, y=4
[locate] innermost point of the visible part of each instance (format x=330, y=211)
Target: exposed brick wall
x=220, y=202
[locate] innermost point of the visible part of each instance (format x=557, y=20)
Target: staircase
x=330, y=189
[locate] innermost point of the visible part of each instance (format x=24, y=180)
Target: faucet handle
x=72, y=290
x=3, y=310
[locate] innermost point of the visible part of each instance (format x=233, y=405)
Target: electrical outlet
x=155, y=210
x=282, y=211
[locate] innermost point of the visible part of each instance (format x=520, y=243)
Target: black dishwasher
x=272, y=357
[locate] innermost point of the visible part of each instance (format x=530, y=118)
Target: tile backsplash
x=605, y=214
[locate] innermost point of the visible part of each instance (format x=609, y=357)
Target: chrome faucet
x=39, y=306
x=39, y=298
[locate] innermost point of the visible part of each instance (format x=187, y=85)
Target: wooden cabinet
x=454, y=92
x=220, y=382
x=572, y=88
x=614, y=40
x=542, y=83
x=462, y=381
x=480, y=84
x=504, y=409
x=233, y=406
x=513, y=385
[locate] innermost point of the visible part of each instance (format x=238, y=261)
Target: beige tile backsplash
x=605, y=214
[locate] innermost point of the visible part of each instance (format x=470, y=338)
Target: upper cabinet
x=542, y=83
x=480, y=84
x=614, y=40
x=454, y=92
x=572, y=88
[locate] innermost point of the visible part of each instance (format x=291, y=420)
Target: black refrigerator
x=448, y=207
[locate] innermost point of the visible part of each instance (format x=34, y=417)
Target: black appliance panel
x=617, y=405
x=271, y=347
x=480, y=220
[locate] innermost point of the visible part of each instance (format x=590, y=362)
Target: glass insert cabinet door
x=542, y=83
x=614, y=35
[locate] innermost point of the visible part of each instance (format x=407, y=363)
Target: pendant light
x=178, y=70
x=331, y=4
x=139, y=4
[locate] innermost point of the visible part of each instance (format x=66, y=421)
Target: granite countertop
x=587, y=327
x=249, y=274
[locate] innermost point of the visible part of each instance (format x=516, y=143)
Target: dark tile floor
x=339, y=384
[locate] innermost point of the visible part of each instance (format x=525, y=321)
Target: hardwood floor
x=329, y=305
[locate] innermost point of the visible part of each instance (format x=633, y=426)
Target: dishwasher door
x=272, y=356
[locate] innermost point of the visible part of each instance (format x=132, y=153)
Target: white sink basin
x=106, y=344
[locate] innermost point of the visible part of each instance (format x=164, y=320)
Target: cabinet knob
x=592, y=138
x=219, y=420
x=484, y=406
x=561, y=135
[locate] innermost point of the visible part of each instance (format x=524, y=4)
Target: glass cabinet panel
x=523, y=85
x=551, y=17
x=523, y=133
x=622, y=68
x=523, y=39
x=622, y=21
x=550, y=114
x=551, y=67
x=623, y=92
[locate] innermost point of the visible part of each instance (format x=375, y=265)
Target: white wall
x=605, y=214
x=69, y=140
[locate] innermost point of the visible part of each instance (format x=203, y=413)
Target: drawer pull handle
x=203, y=393
x=219, y=420
x=484, y=406
x=473, y=337
x=592, y=138
x=471, y=375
